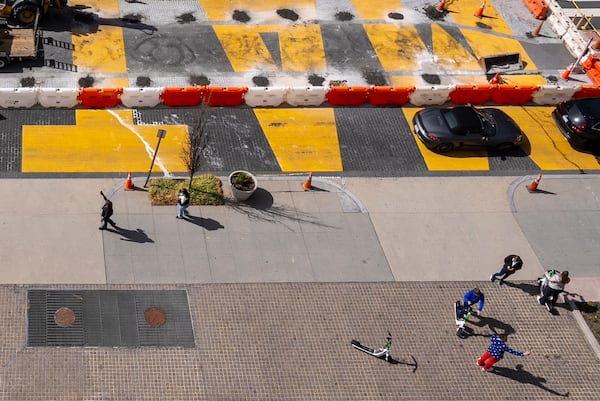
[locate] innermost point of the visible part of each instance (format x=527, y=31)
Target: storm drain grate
x=109, y=318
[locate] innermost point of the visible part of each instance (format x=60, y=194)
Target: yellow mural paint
x=302, y=139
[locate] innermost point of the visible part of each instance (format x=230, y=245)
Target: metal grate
x=109, y=318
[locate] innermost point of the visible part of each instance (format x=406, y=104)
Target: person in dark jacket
x=183, y=201
x=512, y=263
x=107, y=212
x=495, y=352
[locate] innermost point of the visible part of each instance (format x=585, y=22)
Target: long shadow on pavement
x=525, y=377
x=207, y=224
x=137, y=235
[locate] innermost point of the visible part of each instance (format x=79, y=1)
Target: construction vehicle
x=19, y=43
x=24, y=12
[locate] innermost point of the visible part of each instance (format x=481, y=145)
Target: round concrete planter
x=243, y=184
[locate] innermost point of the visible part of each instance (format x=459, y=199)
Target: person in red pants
x=495, y=352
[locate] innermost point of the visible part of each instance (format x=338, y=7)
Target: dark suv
x=579, y=121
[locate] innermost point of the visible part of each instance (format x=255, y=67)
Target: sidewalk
x=277, y=288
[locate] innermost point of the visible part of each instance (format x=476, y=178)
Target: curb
x=585, y=329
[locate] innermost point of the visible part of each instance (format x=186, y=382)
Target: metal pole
x=161, y=134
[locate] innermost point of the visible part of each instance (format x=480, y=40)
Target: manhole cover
x=155, y=316
x=64, y=317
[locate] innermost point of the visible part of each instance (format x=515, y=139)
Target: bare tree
x=193, y=148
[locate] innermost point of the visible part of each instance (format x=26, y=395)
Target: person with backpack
x=552, y=283
x=107, y=212
x=512, y=264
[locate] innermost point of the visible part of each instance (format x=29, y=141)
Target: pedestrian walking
x=471, y=298
x=512, y=264
x=496, y=351
x=183, y=201
x=552, y=284
x=107, y=212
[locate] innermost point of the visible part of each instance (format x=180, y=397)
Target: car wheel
x=444, y=147
x=3, y=62
x=505, y=146
x=25, y=14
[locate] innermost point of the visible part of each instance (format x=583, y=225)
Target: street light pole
x=160, y=134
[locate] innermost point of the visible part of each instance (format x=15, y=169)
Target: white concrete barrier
x=307, y=96
x=141, y=97
x=58, y=97
x=18, y=97
x=553, y=94
x=431, y=95
x=262, y=96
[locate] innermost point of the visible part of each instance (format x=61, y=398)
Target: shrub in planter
x=207, y=189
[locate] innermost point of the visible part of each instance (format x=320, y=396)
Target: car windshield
x=468, y=120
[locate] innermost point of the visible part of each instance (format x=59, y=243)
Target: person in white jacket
x=553, y=284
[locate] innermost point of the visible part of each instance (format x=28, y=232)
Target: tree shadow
x=138, y=235
x=522, y=376
x=207, y=224
x=260, y=206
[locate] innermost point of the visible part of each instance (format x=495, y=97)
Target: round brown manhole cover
x=64, y=317
x=155, y=316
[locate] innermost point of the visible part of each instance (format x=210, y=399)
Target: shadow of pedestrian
x=523, y=376
x=207, y=224
x=137, y=235
x=529, y=288
x=495, y=325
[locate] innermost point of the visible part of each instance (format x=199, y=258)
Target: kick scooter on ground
x=378, y=353
x=461, y=317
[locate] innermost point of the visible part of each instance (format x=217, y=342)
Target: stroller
x=552, y=296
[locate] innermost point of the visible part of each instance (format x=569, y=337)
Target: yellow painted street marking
x=302, y=48
x=470, y=79
x=463, y=13
x=523, y=79
x=402, y=80
x=457, y=160
x=484, y=44
x=262, y=10
x=549, y=149
x=103, y=8
x=102, y=52
x=398, y=47
x=376, y=9
x=451, y=55
x=245, y=48
x=302, y=139
x=101, y=141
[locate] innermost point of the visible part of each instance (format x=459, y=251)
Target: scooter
x=461, y=317
x=377, y=353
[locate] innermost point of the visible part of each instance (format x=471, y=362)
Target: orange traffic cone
x=479, y=12
x=567, y=72
x=308, y=183
x=442, y=6
x=495, y=79
x=534, y=184
x=129, y=183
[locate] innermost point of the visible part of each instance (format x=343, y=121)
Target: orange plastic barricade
x=389, y=95
x=182, y=97
x=472, y=94
x=591, y=66
x=587, y=91
x=538, y=8
x=513, y=94
x=224, y=96
x=99, y=98
x=347, y=95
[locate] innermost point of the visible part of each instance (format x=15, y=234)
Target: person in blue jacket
x=471, y=298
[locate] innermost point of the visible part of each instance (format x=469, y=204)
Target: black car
x=444, y=129
x=579, y=121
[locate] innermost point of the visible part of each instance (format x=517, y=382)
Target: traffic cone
x=442, y=6
x=567, y=72
x=534, y=184
x=479, y=12
x=308, y=183
x=495, y=79
x=596, y=45
x=129, y=183
x=537, y=30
